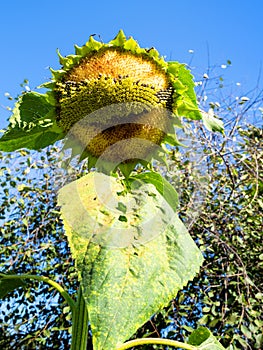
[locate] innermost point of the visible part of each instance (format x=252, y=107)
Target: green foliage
x=226, y=295
x=203, y=339
x=234, y=235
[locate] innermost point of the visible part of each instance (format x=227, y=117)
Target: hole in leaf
x=123, y=218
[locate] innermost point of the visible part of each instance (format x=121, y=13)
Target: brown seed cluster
x=134, y=139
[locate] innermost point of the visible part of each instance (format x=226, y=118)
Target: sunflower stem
x=80, y=324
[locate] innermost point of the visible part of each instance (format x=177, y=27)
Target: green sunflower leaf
x=36, y=140
x=7, y=285
x=202, y=338
x=32, y=124
x=32, y=107
x=161, y=184
x=131, y=262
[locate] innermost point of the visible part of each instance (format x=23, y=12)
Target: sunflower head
x=117, y=101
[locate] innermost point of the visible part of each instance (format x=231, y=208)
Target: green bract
x=115, y=101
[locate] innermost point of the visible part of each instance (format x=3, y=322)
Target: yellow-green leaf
x=129, y=269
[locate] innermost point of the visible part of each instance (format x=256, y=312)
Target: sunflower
x=116, y=101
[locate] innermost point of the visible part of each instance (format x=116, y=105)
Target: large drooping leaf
x=100, y=208
x=132, y=251
x=32, y=124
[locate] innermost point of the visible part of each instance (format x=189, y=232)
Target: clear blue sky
x=31, y=31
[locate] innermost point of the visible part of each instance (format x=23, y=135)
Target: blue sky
x=31, y=31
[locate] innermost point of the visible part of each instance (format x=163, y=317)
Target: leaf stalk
x=156, y=341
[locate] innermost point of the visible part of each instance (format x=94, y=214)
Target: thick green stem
x=153, y=341
x=79, y=324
